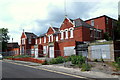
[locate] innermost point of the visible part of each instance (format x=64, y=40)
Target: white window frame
x=62, y=34
x=48, y=38
x=92, y=23
x=44, y=49
x=36, y=41
x=66, y=33
x=71, y=32
x=40, y=41
x=44, y=39
x=57, y=38
x=52, y=37
x=23, y=40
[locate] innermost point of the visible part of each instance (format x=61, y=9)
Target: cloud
x=37, y=15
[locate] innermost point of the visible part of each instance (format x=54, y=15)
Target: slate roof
x=13, y=45
x=42, y=35
x=30, y=35
x=79, y=22
x=55, y=28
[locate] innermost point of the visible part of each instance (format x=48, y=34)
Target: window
x=107, y=20
x=44, y=49
x=29, y=41
x=49, y=38
x=32, y=51
x=92, y=22
x=40, y=40
x=23, y=40
x=71, y=33
x=66, y=34
x=44, y=39
x=57, y=38
x=91, y=35
x=52, y=37
x=36, y=41
x=61, y=35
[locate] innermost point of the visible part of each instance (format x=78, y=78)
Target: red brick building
x=27, y=40
x=103, y=22
x=13, y=49
x=62, y=41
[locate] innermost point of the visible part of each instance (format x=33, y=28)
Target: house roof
x=42, y=35
x=30, y=35
x=79, y=22
x=13, y=45
x=100, y=17
x=55, y=28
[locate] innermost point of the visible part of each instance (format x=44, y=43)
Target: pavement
x=72, y=71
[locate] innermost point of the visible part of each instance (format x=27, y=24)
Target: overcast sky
x=37, y=15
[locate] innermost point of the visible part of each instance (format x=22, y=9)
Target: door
x=51, y=52
x=36, y=52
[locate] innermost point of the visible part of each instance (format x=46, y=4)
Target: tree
x=107, y=37
x=117, y=31
x=4, y=38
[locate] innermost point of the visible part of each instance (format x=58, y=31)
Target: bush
x=102, y=59
x=67, y=59
x=117, y=63
x=45, y=63
x=60, y=59
x=77, y=59
x=95, y=60
x=85, y=67
x=53, y=61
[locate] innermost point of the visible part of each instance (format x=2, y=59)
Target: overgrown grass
x=85, y=67
x=117, y=64
x=101, y=43
x=76, y=61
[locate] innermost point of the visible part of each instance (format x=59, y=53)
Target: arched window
x=71, y=32
x=62, y=35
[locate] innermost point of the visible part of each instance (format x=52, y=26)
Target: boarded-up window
x=100, y=51
x=69, y=51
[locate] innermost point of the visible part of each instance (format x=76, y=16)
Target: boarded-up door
x=51, y=52
x=36, y=52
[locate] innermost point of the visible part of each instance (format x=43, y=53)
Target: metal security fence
x=107, y=54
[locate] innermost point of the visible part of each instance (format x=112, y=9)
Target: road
x=10, y=71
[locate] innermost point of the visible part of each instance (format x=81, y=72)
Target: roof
x=13, y=45
x=79, y=22
x=100, y=17
x=30, y=35
x=55, y=28
x=42, y=35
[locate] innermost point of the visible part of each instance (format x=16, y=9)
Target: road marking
x=50, y=70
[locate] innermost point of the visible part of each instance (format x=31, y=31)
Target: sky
x=37, y=15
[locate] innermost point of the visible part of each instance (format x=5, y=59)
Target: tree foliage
x=117, y=30
x=4, y=38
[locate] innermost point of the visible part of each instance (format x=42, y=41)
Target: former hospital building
x=62, y=41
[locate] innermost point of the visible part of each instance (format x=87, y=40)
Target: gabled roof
x=30, y=35
x=79, y=22
x=55, y=28
x=13, y=45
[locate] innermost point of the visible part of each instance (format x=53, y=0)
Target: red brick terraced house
x=62, y=41
x=27, y=40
